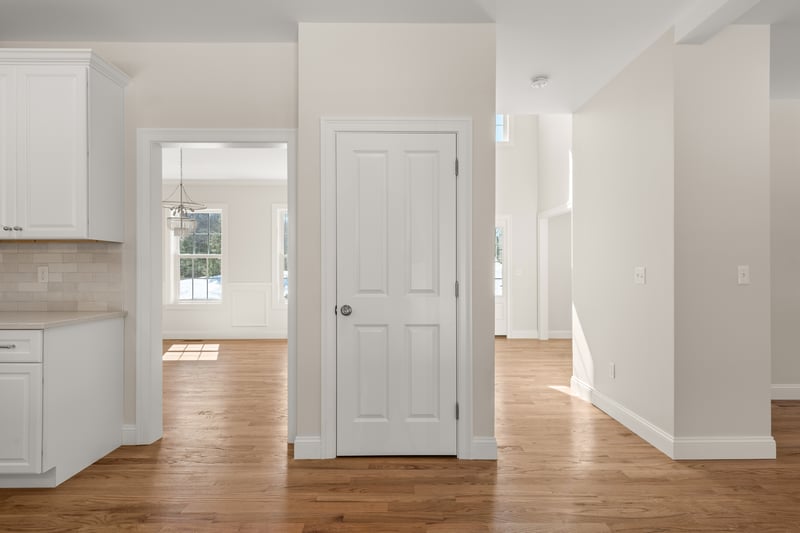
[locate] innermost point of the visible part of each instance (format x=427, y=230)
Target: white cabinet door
x=52, y=151
x=8, y=152
x=396, y=269
x=20, y=418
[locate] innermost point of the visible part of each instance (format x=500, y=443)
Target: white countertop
x=52, y=319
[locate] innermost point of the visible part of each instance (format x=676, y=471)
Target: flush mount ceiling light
x=179, y=222
x=539, y=81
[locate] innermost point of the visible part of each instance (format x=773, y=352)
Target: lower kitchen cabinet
x=61, y=393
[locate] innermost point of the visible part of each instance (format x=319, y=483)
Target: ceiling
x=580, y=44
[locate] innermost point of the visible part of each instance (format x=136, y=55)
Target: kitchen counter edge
x=52, y=319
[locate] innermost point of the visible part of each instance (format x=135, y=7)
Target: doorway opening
x=198, y=274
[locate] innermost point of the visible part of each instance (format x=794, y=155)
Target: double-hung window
x=198, y=260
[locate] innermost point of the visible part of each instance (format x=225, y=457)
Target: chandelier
x=180, y=223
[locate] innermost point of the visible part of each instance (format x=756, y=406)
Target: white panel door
x=20, y=418
x=52, y=164
x=396, y=271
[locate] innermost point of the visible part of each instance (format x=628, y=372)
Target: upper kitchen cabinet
x=61, y=145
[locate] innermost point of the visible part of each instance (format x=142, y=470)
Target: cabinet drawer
x=21, y=346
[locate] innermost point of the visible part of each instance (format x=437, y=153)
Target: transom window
x=199, y=259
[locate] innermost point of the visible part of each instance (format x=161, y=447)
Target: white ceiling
x=580, y=44
x=212, y=163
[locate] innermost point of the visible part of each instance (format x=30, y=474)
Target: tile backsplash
x=83, y=276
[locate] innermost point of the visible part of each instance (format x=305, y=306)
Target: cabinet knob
x=7, y=228
x=17, y=228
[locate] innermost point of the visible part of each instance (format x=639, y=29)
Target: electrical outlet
x=744, y=274
x=640, y=275
x=43, y=274
x=612, y=371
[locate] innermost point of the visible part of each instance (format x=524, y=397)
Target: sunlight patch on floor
x=561, y=388
x=191, y=352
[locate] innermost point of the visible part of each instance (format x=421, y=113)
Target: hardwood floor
x=223, y=465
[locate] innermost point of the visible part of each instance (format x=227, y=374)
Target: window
x=199, y=259
x=498, y=260
x=501, y=133
x=280, y=250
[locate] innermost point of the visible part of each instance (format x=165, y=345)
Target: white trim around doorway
x=468, y=447
x=148, y=426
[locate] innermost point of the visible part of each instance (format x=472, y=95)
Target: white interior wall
x=623, y=181
x=560, y=276
x=517, y=185
x=189, y=85
x=395, y=70
x=785, y=246
x=248, y=308
x=671, y=172
x=722, y=220
x=555, y=146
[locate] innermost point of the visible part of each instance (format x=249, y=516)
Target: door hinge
x=456, y=410
x=456, y=167
x=456, y=289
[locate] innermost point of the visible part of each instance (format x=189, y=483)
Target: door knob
x=346, y=310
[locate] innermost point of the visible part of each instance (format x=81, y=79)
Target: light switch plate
x=744, y=274
x=640, y=275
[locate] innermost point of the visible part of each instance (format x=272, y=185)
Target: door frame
x=147, y=331
x=462, y=128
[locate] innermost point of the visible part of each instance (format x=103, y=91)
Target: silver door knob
x=7, y=228
x=17, y=228
x=346, y=310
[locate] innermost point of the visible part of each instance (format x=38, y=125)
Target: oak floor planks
x=564, y=466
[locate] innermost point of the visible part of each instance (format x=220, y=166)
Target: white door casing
x=396, y=270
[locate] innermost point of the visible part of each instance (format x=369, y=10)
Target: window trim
x=172, y=264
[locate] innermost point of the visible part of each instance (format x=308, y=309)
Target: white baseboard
x=653, y=434
x=308, y=447
x=686, y=448
x=523, y=334
x=130, y=435
x=580, y=389
x=702, y=448
x=561, y=334
x=785, y=391
x=223, y=335
x=484, y=448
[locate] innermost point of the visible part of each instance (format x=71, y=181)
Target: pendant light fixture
x=179, y=222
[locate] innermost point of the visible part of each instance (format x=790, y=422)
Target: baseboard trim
x=561, y=334
x=657, y=437
x=785, y=391
x=523, y=334
x=704, y=448
x=484, y=448
x=678, y=448
x=130, y=435
x=308, y=447
x=223, y=335
x=580, y=389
